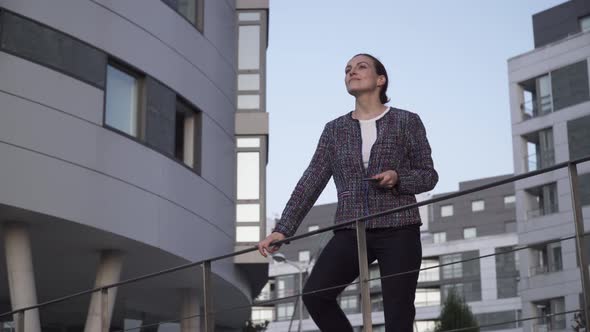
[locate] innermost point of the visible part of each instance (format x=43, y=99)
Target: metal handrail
x=359, y=220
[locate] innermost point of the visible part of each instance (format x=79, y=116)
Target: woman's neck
x=368, y=108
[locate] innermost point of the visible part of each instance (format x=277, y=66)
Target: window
x=540, y=151
x=250, y=165
x=546, y=258
x=248, y=213
x=545, y=309
x=247, y=142
x=285, y=285
x=249, y=82
x=585, y=23
x=542, y=200
x=478, y=205
x=313, y=228
x=427, y=297
x=261, y=314
x=122, y=101
x=439, y=237
x=349, y=303
x=248, y=102
x=469, y=232
x=376, y=302
x=578, y=137
x=187, y=135
x=45, y=46
x=455, y=267
x=433, y=272
x=192, y=10
x=374, y=273
x=446, y=210
x=304, y=256
x=248, y=175
x=424, y=325
x=507, y=272
x=248, y=233
x=285, y=311
x=537, y=97
x=570, y=85
x=509, y=200
x=249, y=47
x=249, y=16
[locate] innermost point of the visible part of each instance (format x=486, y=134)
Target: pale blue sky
x=446, y=60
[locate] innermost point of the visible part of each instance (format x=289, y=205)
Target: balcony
x=539, y=160
x=535, y=108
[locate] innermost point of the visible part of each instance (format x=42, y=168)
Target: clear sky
x=446, y=60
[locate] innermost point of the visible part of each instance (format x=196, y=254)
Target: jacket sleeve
x=420, y=176
x=310, y=186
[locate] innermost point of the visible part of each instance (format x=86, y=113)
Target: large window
x=122, y=101
x=546, y=258
x=250, y=171
x=569, y=85
x=43, y=45
x=286, y=285
x=578, y=137
x=585, y=23
x=251, y=60
x=507, y=272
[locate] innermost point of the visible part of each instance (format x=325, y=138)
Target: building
x=118, y=144
x=457, y=229
x=550, y=116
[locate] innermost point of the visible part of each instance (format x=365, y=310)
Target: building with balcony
x=121, y=126
x=456, y=229
x=550, y=115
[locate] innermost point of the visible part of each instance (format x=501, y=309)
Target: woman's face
x=361, y=76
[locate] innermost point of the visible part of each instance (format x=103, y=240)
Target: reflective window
x=249, y=47
x=478, y=205
x=121, y=101
x=248, y=212
x=313, y=228
x=248, y=175
x=261, y=314
x=374, y=273
x=248, y=102
x=247, y=233
x=446, y=210
x=248, y=82
x=424, y=325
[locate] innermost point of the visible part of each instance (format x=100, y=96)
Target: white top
x=369, y=135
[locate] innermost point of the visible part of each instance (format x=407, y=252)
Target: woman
x=390, y=147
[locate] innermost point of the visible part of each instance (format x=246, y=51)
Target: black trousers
x=396, y=250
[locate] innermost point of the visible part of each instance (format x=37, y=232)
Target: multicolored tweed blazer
x=401, y=145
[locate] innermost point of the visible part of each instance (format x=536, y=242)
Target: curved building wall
x=62, y=164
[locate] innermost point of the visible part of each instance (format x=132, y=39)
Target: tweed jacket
x=401, y=145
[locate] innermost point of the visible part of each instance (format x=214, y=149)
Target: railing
x=540, y=160
x=542, y=211
x=208, y=315
x=535, y=108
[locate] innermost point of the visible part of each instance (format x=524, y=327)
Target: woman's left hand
x=387, y=179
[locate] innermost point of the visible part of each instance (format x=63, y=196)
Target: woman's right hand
x=264, y=246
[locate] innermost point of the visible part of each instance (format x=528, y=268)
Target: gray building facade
x=550, y=113
x=118, y=139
